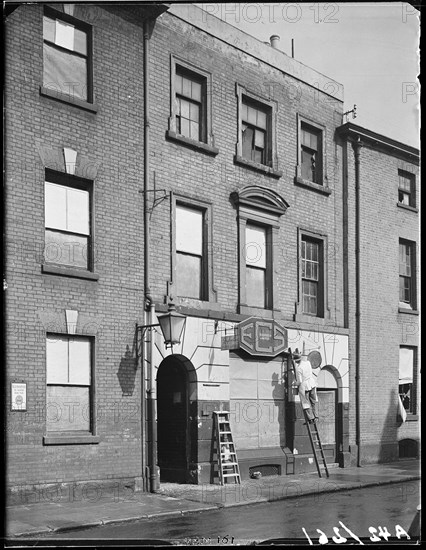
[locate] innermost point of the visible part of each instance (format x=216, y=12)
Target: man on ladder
x=307, y=387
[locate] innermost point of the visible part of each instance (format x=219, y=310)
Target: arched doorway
x=173, y=419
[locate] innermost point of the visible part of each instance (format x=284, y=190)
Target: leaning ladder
x=227, y=455
x=314, y=436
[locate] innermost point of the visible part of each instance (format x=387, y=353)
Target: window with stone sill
x=311, y=157
x=312, y=301
x=407, y=271
x=67, y=56
x=69, y=399
x=190, y=121
x=259, y=212
x=190, y=269
x=256, y=147
x=407, y=188
x=68, y=221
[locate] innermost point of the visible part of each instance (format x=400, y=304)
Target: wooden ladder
x=316, y=445
x=227, y=455
x=314, y=436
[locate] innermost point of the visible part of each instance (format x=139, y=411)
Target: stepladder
x=228, y=467
x=314, y=436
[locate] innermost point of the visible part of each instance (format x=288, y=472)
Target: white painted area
x=334, y=351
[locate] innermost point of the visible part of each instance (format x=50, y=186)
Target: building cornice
x=355, y=133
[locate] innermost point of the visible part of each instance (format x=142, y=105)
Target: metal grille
x=266, y=470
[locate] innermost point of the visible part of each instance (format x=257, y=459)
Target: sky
x=371, y=48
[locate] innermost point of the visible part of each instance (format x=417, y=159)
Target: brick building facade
x=178, y=159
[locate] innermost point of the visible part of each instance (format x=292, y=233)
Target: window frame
x=411, y=414
x=56, y=437
x=261, y=207
x=206, y=142
x=411, y=305
x=321, y=185
x=412, y=194
x=54, y=93
x=208, y=292
x=270, y=108
x=267, y=270
x=323, y=311
x=71, y=182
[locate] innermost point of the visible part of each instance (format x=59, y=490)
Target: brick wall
x=383, y=328
x=111, y=140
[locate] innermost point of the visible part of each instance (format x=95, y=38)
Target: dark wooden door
x=172, y=422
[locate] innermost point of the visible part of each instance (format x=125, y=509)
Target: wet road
x=361, y=511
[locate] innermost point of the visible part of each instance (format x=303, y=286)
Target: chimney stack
x=274, y=39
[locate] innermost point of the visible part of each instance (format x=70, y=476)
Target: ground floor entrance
x=327, y=424
x=173, y=420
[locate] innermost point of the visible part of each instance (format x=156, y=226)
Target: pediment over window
x=260, y=198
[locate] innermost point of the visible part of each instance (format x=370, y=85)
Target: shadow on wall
x=278, y=393
x=388, y=442
x=126, y=373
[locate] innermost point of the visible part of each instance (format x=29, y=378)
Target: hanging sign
x=262, y=337
x=18, y=397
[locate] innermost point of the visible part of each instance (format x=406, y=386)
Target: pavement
x=172, y=499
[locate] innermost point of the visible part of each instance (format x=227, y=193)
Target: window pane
x=406, y=364
x=188, y=276
x=261, y=120
x=189, y=230
x=255, y=287
x=258, y=156
x=244, y=111
x=255, y=250
x=259, y=139
x=247, y=148
x=306, y=165
x=78, y=211
x=184, y=127
x=186, y=87
x=67, y=408
x=184, y=108
x=56, y=360
x=178, y=84
x=80, y=41
x=66, y=249
x=49, y=29
x=314, y=142
x=194, y=112
x=65, y=72
x=194, y=129
x=196, y=91
x=64, y=35
x=55, y=198
x=251, y=115
x=79, y=361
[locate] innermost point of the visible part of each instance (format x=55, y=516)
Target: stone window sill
x=311, y=185
x=257, y=167
x=69, y=272
x=70, y=439
x=192, y=144
x=70, y=100
x=412, y=417
x=257, y=311
x=408, y=310
x=407, y=207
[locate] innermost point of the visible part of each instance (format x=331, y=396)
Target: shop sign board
x=263, y=337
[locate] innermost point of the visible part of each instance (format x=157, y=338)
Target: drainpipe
x=149, y=305
x=357, y=148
